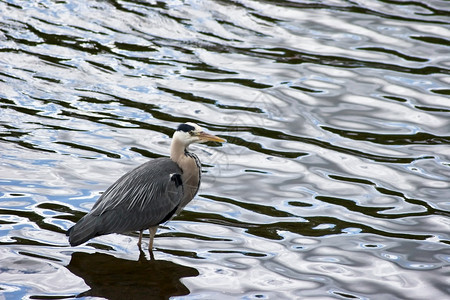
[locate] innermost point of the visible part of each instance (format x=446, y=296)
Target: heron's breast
x=191, y=178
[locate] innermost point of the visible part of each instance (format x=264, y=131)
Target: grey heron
x=150, y=194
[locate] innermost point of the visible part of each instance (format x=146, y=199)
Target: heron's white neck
x=177, y=150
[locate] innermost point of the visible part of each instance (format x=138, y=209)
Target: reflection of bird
x=113, y=278
x=148, y=195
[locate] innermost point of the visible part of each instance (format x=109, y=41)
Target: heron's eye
x=191, y=133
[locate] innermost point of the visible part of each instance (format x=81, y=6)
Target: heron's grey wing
x=144, y=197
x=147, y=197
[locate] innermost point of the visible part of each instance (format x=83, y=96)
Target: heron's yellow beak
x=204, y=137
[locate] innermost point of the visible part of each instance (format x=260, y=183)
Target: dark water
x=334, y=182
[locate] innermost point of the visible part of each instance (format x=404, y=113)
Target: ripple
x=333, y=183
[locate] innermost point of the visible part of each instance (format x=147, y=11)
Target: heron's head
x=189, y=133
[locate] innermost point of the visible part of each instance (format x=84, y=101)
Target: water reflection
x=335, y=178
x=115, y=278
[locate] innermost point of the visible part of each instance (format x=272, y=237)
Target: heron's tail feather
x=83, y=231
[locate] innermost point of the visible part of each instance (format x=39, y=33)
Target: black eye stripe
x=185, y=128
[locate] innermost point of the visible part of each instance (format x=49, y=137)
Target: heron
x=148, y=195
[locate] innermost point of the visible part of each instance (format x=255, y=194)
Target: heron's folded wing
x=144, y=197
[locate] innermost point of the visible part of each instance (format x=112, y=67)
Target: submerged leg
x=152, y=235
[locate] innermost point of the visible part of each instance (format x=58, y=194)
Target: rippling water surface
x=334, y=182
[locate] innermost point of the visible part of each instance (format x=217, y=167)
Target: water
x=334, y=182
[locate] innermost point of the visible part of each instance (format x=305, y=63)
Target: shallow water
x=334, y=182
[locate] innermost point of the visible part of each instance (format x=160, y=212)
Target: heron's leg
x=152, y=235
x=140, y=238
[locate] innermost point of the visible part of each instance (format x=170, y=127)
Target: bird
x=148, y=195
